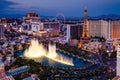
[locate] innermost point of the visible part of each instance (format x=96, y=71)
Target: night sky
x=70, y=8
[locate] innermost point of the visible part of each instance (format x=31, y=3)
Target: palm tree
x=4, y=58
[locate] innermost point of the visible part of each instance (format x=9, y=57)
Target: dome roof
x=31, y=14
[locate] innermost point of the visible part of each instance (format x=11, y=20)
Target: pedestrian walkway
x=17, y=71
x=9, y=78
x=28, y=78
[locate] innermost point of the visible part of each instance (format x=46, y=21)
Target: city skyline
x=36, y=44
x=52, y=7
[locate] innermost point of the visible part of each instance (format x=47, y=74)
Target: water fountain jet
x=37, y=50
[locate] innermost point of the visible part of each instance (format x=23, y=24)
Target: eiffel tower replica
x=85, y=35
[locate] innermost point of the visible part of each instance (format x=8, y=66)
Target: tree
x=111, y=75
x=113, y=54
x=25, y=46
x=83, y=79
x=58, y=79
x=105, y=56
x=1, y=52
x=95, y=78
x=4, y=58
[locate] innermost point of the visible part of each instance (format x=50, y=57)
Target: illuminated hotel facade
x=106, y=29
x=32, y=22
x=115, y=29
x=53, y=28
x=98, y=28
x=51, y=25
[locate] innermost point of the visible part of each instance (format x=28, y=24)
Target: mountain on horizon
x=103, y=17
x=106, y=17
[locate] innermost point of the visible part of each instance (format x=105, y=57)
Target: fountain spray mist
x=37, y=50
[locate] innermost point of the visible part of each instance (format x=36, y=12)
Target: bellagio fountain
x=37, y=50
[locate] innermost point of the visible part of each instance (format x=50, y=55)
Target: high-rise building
x=36, y=27
x=2, y=29
x=53, y=28
x=32, y=22
x=98, y=28
x=115, y=29
x=106, y=29
x=76, y=30
x=31, y=16
x=51, y=25
x=85, y=35
x=118, y=61
x=68, y=32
